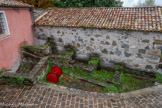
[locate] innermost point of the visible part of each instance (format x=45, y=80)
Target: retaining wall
x=138, y=50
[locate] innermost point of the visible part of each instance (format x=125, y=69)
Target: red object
x=54, y=75
x=68, y=79
x=57, y=71
x=51, y=77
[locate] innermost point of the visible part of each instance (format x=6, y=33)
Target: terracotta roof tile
x=13, y=3
x=143, y=18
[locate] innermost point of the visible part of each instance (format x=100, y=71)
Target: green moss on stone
x=159, y=77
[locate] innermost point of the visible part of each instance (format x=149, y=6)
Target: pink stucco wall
x=20, y=27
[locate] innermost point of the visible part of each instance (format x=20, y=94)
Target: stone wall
x=138, y=50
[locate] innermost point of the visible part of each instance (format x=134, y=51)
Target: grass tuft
x=159, y=77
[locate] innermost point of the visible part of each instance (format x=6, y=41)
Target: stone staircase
x=31, y=77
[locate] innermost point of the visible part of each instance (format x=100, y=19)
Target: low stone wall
x=136, y=49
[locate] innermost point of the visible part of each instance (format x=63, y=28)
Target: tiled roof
x=135, y=18
x=39, y=12
x=13, y=3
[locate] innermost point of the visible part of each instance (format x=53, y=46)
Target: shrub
x=94, y=60
x=111, y=89
x=159, y=77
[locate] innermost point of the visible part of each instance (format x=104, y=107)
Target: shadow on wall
x=17, y=63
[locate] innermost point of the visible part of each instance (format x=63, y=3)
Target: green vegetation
x=104, y=27
x=122, y=78
x=14, y=81
x=43, y=79
x=20, y=80
x=72, y=53
x=83, y=26
x=42, y=46
x=88, y=3
x=119, y=68
x=159, y=77
x=132, y=83
x=26, y=66
x=62, y=55
x=94, y=60
x=32, y=48
x=111, y=89
x=1, y=71
x=147, y=3
x=45, y=4
x=123, y=27
x=92, y=25
x=101, y=75
x=51, y=43
x=127, y=81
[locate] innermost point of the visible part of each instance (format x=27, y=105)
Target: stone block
x=107, y=37
x=97, y=35
x=114, y=43
x=118, y=52
x=78, y=44
x=158, y=42
x=142, y=51
x=145, y=41
x=139, y=55
x=153, y=57
x=60, y=40
x=148, y=67
x=127, y=54
x=104, y=51
x=124, y=46
x=80, y=39
x=155, y=53
x=107, y=43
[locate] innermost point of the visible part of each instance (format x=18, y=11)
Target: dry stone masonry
x=135, y=49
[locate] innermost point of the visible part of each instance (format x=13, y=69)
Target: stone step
x=32, y=77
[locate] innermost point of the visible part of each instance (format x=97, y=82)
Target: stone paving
x=41, y=96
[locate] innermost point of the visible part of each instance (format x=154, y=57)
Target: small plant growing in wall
x=82, y=25
x=27, y=47
x=123, y=27
x=94, y=60
x=91, y=25
x=104, y=27
x=20, y=80
x=72, y=53
x=156, y=28
x=119, y=68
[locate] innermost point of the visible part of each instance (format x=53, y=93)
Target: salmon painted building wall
x=20, y=27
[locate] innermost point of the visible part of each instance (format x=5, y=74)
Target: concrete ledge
x=157, y=88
